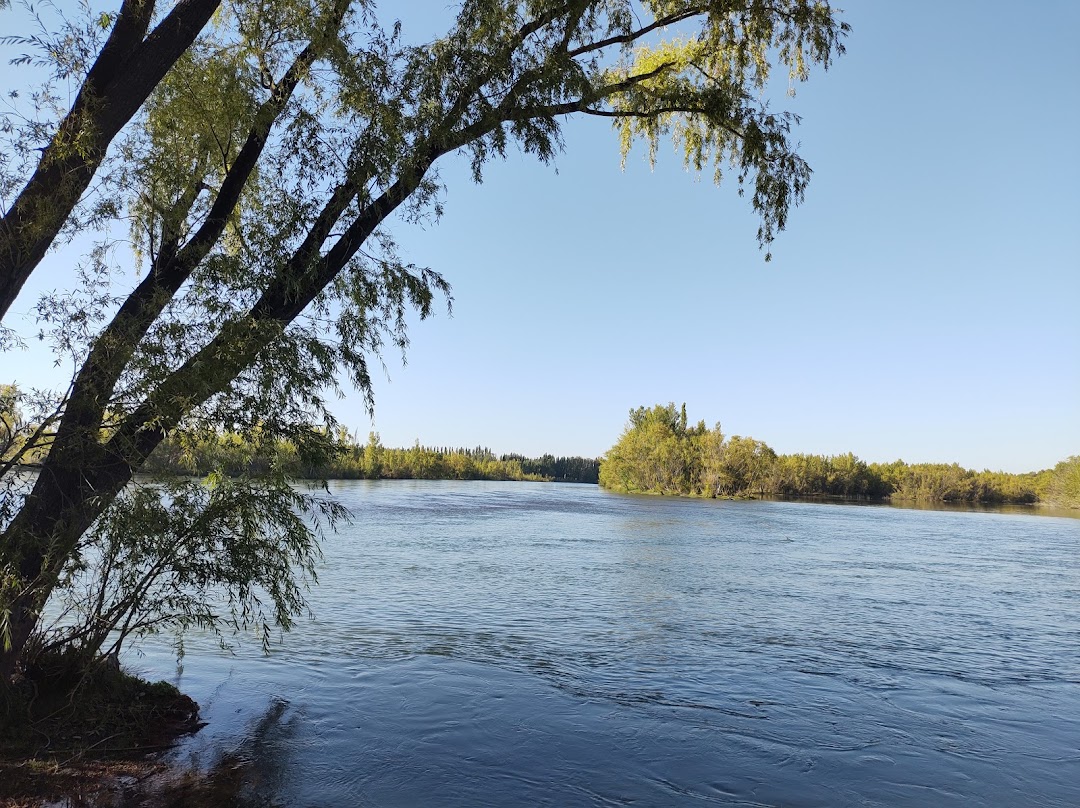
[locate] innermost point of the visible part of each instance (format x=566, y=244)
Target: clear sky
x=921, y=304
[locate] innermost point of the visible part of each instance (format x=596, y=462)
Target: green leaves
x=304, y=247
x=1063, y=486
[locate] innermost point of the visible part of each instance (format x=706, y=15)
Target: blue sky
x=921, y=304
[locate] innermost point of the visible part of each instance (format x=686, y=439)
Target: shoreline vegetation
x=339, y=456
x=660, y=453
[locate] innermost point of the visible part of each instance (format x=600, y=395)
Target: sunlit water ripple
x=528, y=644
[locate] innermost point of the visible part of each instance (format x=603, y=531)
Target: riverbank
x=91, y=741
x=659, y=451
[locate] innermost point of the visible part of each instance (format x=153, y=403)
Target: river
x=519, y=644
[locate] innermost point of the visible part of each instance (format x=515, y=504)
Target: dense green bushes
x=659, y=453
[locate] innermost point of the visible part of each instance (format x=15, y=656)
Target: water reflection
x=249, y=773
x=1035, y=509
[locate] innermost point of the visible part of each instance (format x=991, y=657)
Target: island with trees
x=660, y=452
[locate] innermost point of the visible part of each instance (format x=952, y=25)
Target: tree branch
x=125, y=73
x=633, y=36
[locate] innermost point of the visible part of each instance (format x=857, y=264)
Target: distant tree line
x=337, y=455
x=559, y=469
x=660, y=453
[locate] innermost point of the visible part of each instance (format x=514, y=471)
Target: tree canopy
x=254, y=152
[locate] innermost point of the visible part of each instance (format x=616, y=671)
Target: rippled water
x=529, y=644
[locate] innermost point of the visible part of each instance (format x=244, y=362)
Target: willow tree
x=258, y=177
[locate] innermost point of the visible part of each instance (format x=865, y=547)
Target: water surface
x=528, y=644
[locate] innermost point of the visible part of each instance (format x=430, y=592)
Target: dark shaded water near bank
x=528, y=644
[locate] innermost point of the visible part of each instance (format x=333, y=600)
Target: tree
x=257, y=173
x=746, y=467
x=11, y=421
x=1064, y=486
x=373, y=453
x=709, y=445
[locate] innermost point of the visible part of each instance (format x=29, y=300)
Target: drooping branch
x=39, y=439
x=210, y=370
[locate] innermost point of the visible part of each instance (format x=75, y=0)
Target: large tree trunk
x=73, y=488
